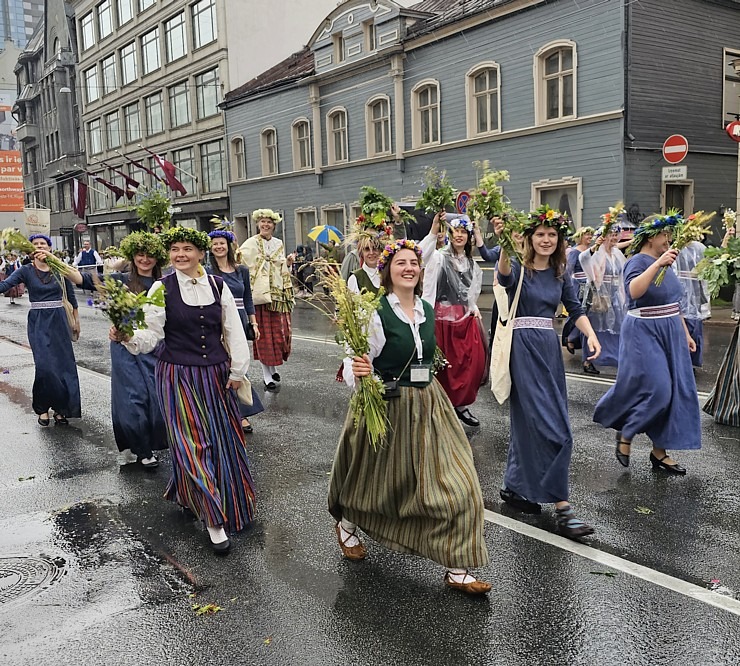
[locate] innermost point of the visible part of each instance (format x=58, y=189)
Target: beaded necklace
x=43, y=276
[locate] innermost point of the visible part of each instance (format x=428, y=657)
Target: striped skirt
x=210, y=470
x=276, y=333
x=724, y=402
x=420, y=493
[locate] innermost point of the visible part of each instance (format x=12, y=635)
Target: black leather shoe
x=622, y=458
x=518, y=502
x=222, y=548
x=467, y=418
x=276, y=377
x=590, y=369
x=671, y=469
x=44, y=422
x=272, y=386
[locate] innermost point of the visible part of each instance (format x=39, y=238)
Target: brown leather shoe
x=356, y=552
x=474, y=587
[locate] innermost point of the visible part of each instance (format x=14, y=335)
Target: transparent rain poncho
x=695, y=303
x=604, y=300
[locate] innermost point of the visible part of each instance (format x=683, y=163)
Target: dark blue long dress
x=655, y=390
x=238, y=283
x=56, y=384
x=541, y=440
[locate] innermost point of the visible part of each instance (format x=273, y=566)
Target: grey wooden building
x=574, y=99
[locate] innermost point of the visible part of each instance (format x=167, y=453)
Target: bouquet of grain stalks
x=14, y=241
x=693, y=228
x=124, y=308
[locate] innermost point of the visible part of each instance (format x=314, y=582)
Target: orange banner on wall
x=11, y=181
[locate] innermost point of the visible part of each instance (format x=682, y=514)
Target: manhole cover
x=23, y=576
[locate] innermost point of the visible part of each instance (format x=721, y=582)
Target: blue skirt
x=541, y=440
x=56, y=384
x=696, y=331
x=655, y=390
x=137, y=419
x=609, y=348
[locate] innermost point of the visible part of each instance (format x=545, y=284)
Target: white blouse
x=196, y=293
x=372, y=273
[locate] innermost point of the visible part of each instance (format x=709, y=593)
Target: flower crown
x=143, y=241
x=582, y=232
x=268, y=213
x=652, y=226
x=186, y=235
x=547, y=216
x=33, y=237
x=461, y=223
x=389, y=250
x=222, y=233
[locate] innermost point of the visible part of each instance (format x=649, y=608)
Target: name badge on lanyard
x=420, y=374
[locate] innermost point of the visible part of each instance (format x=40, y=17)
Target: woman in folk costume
x=723, y=403
x=696, y=304
x=367, y=277
x=56, y=384
x=272, y=293
x=9, y=264
x=452, y=285
x=137, y=418
x=571, y=336
x=605, y=301
x=541, y=440
x=419, y=493
x=236, y=277
x=203, y=358
x=655, y=390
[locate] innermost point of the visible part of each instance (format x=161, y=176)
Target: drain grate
x=21, y=577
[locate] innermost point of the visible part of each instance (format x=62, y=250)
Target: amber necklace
x=43, y=276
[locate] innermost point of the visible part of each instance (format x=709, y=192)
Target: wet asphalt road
x=95, y=567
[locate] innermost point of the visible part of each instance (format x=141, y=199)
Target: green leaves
x=720, y=266
x=154, y=210
x=124, y=308
x=438, y=193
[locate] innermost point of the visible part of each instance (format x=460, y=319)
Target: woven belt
x=688, y=275
x=532, y=322
x=670, y=310
x=579, y=276
x=239, y=303
x=45, y=305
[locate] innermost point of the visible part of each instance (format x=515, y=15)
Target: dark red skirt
x=273, y=347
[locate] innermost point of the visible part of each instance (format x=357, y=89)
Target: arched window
x=336, y=136
x=555, y=81
x=378, y=126
x=238, y=164
x=483, y=87
x=425, y=123
x=268, y=138
x=301, y=145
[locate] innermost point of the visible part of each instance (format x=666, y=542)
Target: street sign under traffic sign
x=675, y=173
x=675, y=148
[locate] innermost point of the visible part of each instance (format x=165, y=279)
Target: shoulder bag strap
x=515, y=302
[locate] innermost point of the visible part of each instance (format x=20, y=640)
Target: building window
x=105, y=18
x=185, y=162
x=98, y=196
x=87, y=31
x=179, y=98
x=555, y=81
x=108, y=67
x=66, y=195
x=336, y=136
x=335, y=216
x=94, y=137
x=370, y=35
x=174, y=37
x=132, y=121
x=150, y=51
x=483, y=100
x=340, y=48
x=125, y=11
x=212, y=166
x=305, y=220
x=425, y=114
x=145, y=4
x=112, y=130
x=301, y=145
x=268, y=139
x=204, y=23
x=378, y=123
x=731, y=87
x=128, y=63
x=564, y=194
x=238, y=165
x=92, y=87
x=207, y=93
x=154, y=114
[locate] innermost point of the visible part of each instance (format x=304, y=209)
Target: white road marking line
x=619, y=564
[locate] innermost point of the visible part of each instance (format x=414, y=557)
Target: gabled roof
x=449, y=11
x=293, y=68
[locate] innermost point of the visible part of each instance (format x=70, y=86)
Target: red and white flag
x=169, y=170
x=79, y=198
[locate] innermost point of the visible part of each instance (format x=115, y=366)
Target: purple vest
x=192, y=333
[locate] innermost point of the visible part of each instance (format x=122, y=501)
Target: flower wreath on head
x=391, y=248
x=186, y=235
x=462, y=222
x=266, y=213
x=33, y=237
x=222, y=233
x=544, y=215
x=146, y=242
x=652, y=226
x=579, y=233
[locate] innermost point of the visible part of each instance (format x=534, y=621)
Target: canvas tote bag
x=501, y=353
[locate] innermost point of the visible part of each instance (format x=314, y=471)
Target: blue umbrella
x=325, y=233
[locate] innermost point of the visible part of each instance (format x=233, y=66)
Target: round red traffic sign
x=733, y=130
x=461, y=202
x=675, y=148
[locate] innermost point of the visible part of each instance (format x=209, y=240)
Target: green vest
x=399, y=345
x=364, y=281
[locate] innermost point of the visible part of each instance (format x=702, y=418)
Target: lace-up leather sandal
x=569, y=526
x=474, y=587
x=354, y=553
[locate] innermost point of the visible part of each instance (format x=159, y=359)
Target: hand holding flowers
x=124, y=308
x=693, y=228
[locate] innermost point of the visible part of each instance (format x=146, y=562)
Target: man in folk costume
x=272, y=293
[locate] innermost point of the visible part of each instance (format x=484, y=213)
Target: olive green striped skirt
x=418, y=494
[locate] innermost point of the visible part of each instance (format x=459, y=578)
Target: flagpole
x=187, y=173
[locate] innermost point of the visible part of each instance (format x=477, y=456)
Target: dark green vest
x=364, y=281
x=399, y=344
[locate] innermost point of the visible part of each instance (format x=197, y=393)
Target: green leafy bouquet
x=693, y=228
x=124, y=308
x=155, y=210
x=720, y=266
x=14, y=241
x=438, y=193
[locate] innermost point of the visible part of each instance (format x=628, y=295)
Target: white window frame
x=147, y=116
x=129, y=138
x=88, y=20
x=370, y=36
x=112, y=132
x=205, y=177
x=370, y=123
x=333, y=208
x=238, y=158
x=554, y=184
x=127, y=54
x=688, y=196
x=187, y=165
x=179, y=91
x=340, y=48
x=331, y=153
x=297, y=145
x=110, y=26
x=197, y=13
x=108, y=74
x=266, y=149
x=416, y=111
x=124, y=19
x=297, y=227
x=145, y=4
x=540, y=82
x=730, y=83
x=145, y=70
x=471, y=98
x=91, y=81
x=171, y=29
x=95, y=150
x=202, y=97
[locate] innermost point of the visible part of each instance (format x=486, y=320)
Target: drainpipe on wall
x=400, y=115
x=314, y=99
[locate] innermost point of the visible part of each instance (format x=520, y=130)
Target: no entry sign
x=675, y=148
